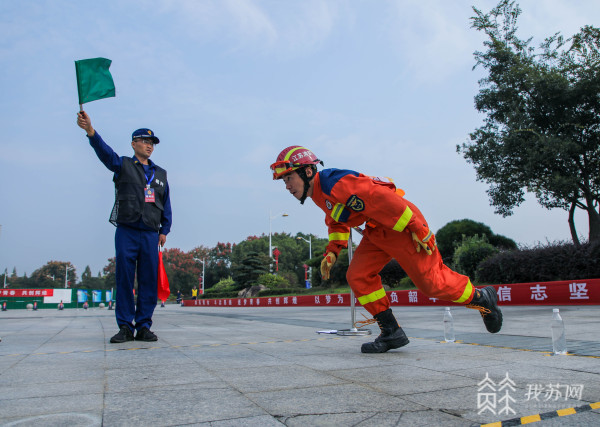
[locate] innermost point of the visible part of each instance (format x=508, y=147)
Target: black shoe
x=123, y=335
x=486, y=301
x=145, y=334
x=392, y=336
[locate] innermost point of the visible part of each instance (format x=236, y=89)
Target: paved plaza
x=259, y=366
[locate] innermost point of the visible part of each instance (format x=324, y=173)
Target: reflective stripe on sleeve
x=339, y=236
x=466, y=294
x=373, y=296
x=404, y=219
x=337, y=211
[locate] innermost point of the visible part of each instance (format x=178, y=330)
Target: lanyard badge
x=149, y=196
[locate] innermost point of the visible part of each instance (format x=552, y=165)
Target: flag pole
x=353, y=331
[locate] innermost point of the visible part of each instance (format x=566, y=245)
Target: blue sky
x=381, y=87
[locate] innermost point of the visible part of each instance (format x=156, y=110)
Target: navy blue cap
x=145, y=133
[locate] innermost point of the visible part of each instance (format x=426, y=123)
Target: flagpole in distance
x=353, y=331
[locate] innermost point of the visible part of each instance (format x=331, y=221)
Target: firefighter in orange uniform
x=394, y=228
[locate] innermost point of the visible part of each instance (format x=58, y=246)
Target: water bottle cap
x=555, y=310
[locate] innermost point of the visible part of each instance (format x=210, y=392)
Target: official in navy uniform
x=142, y=215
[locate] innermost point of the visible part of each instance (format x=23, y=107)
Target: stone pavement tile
x=174, y=407
x=14, y=409
x=345, y=419
x=138, y=377
x=444, y=362
x=329, y=400
x=232, y=356
x=587, y=363
x=429, y=383
x=461, y=401
x=259, y=421
x=307, y=346
x=44, y=388
x=71, y=419
x=7, y=362
x=45, y=369
x=20, y=343
x=333, y=361
x=278, y=378
x=524, y=374
x=433, y=418
x=470, y=349
x=145, y=354
x=430, y=418
x=398, y=380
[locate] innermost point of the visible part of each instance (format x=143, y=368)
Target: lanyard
x=148, y=181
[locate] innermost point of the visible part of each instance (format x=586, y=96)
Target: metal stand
x=352, y=331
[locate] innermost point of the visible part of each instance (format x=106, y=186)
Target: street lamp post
x=272, y=217
x=203, y=261
x=67, y=269
x=309, y=251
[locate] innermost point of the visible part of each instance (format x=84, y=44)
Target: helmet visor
x=282, y=167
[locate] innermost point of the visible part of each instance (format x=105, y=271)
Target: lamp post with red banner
x=309, y=241
x=67, y=269
x=201, y=278
x=271, y=217
x=276, y=253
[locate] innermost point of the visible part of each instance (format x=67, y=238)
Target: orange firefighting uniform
x=350, y=199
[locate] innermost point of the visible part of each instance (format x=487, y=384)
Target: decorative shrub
x=542, y=263
x=470, y=253
x=272, y=281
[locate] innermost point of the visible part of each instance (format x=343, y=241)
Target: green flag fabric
x=94, y=80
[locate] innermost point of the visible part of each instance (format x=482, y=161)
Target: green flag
x=93, y=79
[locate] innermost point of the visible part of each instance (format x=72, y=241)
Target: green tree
x=90, y=282
x=109, y=271
x=52, y=275
x=293, y=253
x=542, y=125
x=247, y=272
x=451, y=234
x=182, y=270
x=87, y=273
x=218, y=264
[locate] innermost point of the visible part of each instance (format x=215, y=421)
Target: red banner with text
x=20, y=293
x=568, y=292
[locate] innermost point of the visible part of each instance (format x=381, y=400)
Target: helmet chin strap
x=302, y=174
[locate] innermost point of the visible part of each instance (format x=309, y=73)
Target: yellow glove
x=425, y=239
x=326, y=265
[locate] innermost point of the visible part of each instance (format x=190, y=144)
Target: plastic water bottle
x=559, y=342
x=448, y=326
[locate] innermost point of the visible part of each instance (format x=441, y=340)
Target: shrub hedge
x=554, y=261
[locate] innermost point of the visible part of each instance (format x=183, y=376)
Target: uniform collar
x=135, y=160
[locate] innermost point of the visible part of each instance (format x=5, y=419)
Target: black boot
x=392, y=335
x=486, y=301
x=123, y=335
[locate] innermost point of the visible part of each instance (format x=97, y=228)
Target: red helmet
x=292, y=158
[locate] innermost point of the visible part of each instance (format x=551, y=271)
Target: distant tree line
x=467, y=246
